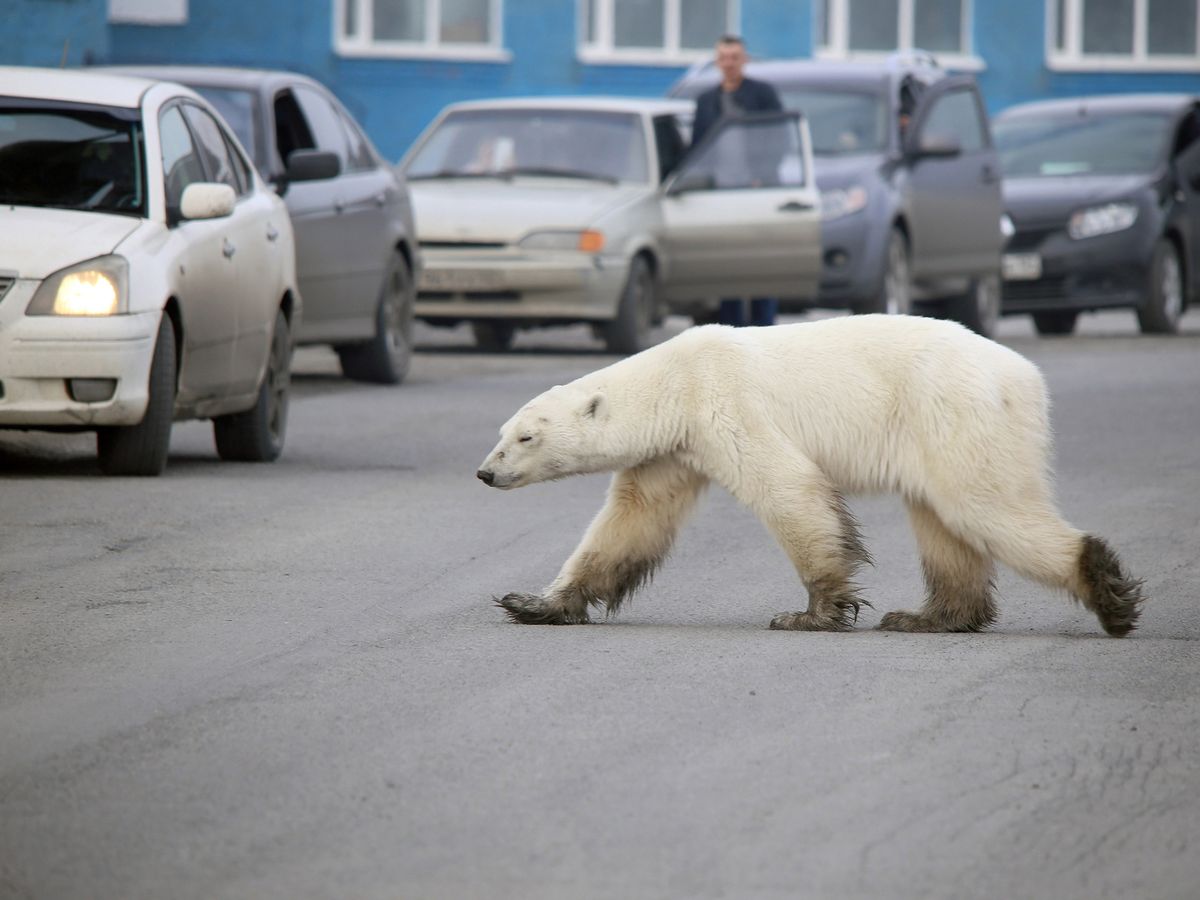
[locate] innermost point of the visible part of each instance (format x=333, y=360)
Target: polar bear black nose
x=485, y=476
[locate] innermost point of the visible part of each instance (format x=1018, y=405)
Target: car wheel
x=979, y=307
x=895, y=291
x=141, y=449
x=386, y=357
x=1162, y=306
x=1055, y=321
x=257, y=434
x=493, y=335
x=629, y=332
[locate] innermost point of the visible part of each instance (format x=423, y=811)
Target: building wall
x=53, y=32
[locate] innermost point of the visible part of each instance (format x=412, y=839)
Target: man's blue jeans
x=762, y=311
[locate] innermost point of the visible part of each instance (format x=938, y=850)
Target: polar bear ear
x=596, y=406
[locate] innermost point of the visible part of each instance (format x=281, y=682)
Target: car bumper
x=851, y=263
x=509, y=284
x=1095, y=273
x=41, y=357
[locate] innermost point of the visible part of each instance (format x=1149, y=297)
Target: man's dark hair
x=731, y=39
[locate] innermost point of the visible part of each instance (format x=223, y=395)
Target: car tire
x=257, y=434
x=629, y=332
x=895, y=288
x=493, y=335
x=1055, y=322
x=386, y=357
x=1162, y=306
x=141, y=449
x=979, y=307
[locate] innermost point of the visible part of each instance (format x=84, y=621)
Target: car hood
x=37, y=242
x=843, y=171
x=1051, y=201
x=473, y=210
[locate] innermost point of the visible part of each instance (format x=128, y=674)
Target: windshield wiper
x=457, y=173
x=563, y=173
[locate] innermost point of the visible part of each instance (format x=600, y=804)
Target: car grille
x=1028, y=239
x=6, y=281
x=497, y=296
x=462, y=245
x=1041, y=289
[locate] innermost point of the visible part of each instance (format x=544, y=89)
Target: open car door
x=742, y=216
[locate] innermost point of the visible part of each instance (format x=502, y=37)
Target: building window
x=1123, y=34
x=667, y=31
x=148, y=12
x=872, y=27
x=453, y=28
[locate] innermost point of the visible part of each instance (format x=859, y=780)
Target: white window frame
x=838, y=30
x=602, y=51
x=432, y=47
x=1071, y=58
x=148, y=12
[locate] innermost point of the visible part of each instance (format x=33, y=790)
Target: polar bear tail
x=1106, y=589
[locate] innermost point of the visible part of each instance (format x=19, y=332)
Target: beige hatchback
x=551, y=211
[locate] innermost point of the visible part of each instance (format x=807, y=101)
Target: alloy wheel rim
x=1171, y=288
x=278, y=379
x=397, y=325
x=896, y=281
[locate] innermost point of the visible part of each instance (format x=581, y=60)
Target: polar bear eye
x=525, y=438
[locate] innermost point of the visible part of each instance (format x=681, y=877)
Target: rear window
x=72, y=158
x=1071, y=143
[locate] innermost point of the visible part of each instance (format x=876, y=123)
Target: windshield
x=501, y=143
x=237, y=108
x=88, y=159
x=1048, y=145
x=841, y=122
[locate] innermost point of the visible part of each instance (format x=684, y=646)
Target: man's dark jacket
x=751, y=96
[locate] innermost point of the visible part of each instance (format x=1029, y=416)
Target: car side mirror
x=206, y=200
x=937, y=146
x=312, y=165
x=692, y=181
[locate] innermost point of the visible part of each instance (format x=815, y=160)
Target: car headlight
x=587, y=240
x=841, y=202
x=1104, y=219
x=98, y=287
x=1007, y=228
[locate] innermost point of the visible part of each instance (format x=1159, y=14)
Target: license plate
x=460, y=280
x=1022, y=266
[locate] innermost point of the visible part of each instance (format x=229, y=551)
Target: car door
x=741, y=214
x=207, y=286
x=954, y=200
x=249, y=245
x=1185, y=163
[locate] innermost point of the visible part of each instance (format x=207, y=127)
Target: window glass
x=398, y=20
x=1172, y=27
x=238, y=109
x=841, y=121
x=212, y=147
x=1108, y=26
x=291, y=128
x=241, y=168
x=181, y=162
x=671, y=146
x=324, y=122
x=874, y=24
x=701, y=22
x=937, y=25
x=465, y=22
x=749, y=154
x=1086, y=144
x=956, y=115
x=638, y=23
x=360, y=157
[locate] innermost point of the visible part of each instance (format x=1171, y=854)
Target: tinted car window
x=72, y=159
x=1073, y=144
x=291, y=128
x=324, y=122
x=841, y=121
x=213, y=149
x=239, y=110
x=749, y=154
x=181, y=162
x=957, y=115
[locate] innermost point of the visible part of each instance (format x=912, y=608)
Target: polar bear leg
x=622, y=548
x=958, y=580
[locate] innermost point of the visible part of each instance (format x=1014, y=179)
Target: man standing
x=736, y=94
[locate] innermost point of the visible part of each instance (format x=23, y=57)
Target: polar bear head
x=558, y=433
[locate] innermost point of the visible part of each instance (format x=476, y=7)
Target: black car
x=910, y=185
x=1104, y=198
x=356, y=250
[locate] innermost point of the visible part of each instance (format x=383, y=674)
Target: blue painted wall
x=51, y=32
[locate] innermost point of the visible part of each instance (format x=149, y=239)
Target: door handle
x=338, y=206
x=272, y=232
x=228, y=249
x=381, y=199
x=795, y=206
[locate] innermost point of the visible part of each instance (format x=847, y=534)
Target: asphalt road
x=289, y=681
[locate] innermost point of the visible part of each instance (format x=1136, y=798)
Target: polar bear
x=790, y=419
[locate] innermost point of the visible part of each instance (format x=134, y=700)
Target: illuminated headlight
x=1102, y=220
x=842, y=202
x=98, y=287
x=587, y=241
x=1007, y=228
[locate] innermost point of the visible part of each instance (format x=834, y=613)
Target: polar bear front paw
x=909, y=621
x=534, y=609
x=807, y=621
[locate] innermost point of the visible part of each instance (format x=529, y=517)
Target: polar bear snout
x=486, y=476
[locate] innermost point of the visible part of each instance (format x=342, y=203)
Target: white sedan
x=146, y=272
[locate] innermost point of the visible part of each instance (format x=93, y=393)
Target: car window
x=841, y=122
x=324, y=122
x=751, y=153
x=214, y=152
x=1055, y=144
x=360, y=158
x=291, y=128
x=238, y=109
x=956, y=115
x=181, y=162
x=670, y=143
x=242, y=169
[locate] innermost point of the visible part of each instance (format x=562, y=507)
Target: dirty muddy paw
x=908, y=621
x=534, y=609
x=806, y=621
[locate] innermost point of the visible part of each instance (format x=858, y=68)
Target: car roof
x=214, y=76
x=1102, y=103
x=638, y=105
x=73, y=85
x=848, y=73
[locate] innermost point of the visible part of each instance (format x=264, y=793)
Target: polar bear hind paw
x=807, y=621
x=534, y=609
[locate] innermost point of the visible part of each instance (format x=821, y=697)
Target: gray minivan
x=910, y=184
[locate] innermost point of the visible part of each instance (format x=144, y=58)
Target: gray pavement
x=289, y=680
